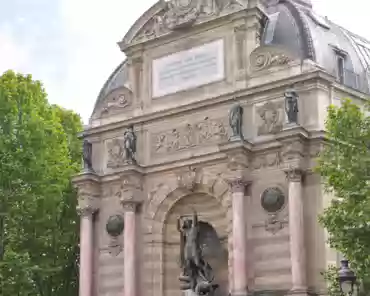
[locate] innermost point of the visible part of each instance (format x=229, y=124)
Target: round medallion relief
x=272, y=200
x=115, y=225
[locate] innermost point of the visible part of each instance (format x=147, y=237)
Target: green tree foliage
x=331, y=277
x=39, y=152
x=345, y=166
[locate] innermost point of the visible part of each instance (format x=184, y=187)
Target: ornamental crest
x=181, y=13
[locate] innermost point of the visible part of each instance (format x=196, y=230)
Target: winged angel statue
x=197, y=273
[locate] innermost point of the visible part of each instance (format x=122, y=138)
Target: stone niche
x=213, y=239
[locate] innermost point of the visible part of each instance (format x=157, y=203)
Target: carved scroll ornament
x=268, y=56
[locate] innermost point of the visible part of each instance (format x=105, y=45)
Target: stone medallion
x=115, y=225
x=272, y=200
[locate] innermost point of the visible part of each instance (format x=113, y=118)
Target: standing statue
x=197, y=273
x=87, y=155
x=291, y=105
x=130, y=145
x=236, y=121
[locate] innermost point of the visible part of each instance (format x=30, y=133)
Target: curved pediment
x=165, y=17
x=117, y=101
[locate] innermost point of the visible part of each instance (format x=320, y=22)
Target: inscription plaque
x=188, y=69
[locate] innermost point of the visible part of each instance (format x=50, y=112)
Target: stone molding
x=317, y=76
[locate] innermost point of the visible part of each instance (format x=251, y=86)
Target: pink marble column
x=130, y=270
x=296, y=229
x=240, y=273
x=86, y=251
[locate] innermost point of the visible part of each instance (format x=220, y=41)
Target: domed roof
x=299, y=29
x=292, y=24
x=118, y=79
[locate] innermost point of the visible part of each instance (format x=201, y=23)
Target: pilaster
x=131, y=197
x=88, y=188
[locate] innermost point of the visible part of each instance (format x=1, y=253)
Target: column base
x=298, y=292
x=268, y=293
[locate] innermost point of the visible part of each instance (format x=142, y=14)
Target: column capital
x=294, y=174
x=87, y=205
x=86, y=211
x=130, y=206
x=238, y=184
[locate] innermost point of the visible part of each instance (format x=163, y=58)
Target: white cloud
x=92, y=30
x=12, y=55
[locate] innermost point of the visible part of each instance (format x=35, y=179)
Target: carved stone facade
x=257, y=193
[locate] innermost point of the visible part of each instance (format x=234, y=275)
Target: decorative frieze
x=271, y=117
x=191, y=135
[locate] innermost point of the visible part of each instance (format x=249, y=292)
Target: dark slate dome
x=118, y=79
x=295, y=26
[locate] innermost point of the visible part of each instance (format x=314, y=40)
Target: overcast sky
x=71, y=44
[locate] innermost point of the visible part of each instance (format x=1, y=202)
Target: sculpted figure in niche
x=291, y=105
x=197, y=273
x=87, y=155
x=236, y=121
x=130, y=145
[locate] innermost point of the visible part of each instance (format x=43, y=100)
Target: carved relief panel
x=190, y=135
x=270, y=117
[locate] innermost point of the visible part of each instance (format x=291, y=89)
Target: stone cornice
x=223, y=155
x=214, y=101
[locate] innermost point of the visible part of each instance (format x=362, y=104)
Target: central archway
x=213, y=227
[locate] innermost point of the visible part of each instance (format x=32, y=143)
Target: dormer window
x=340, y=68
x=340, y=56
